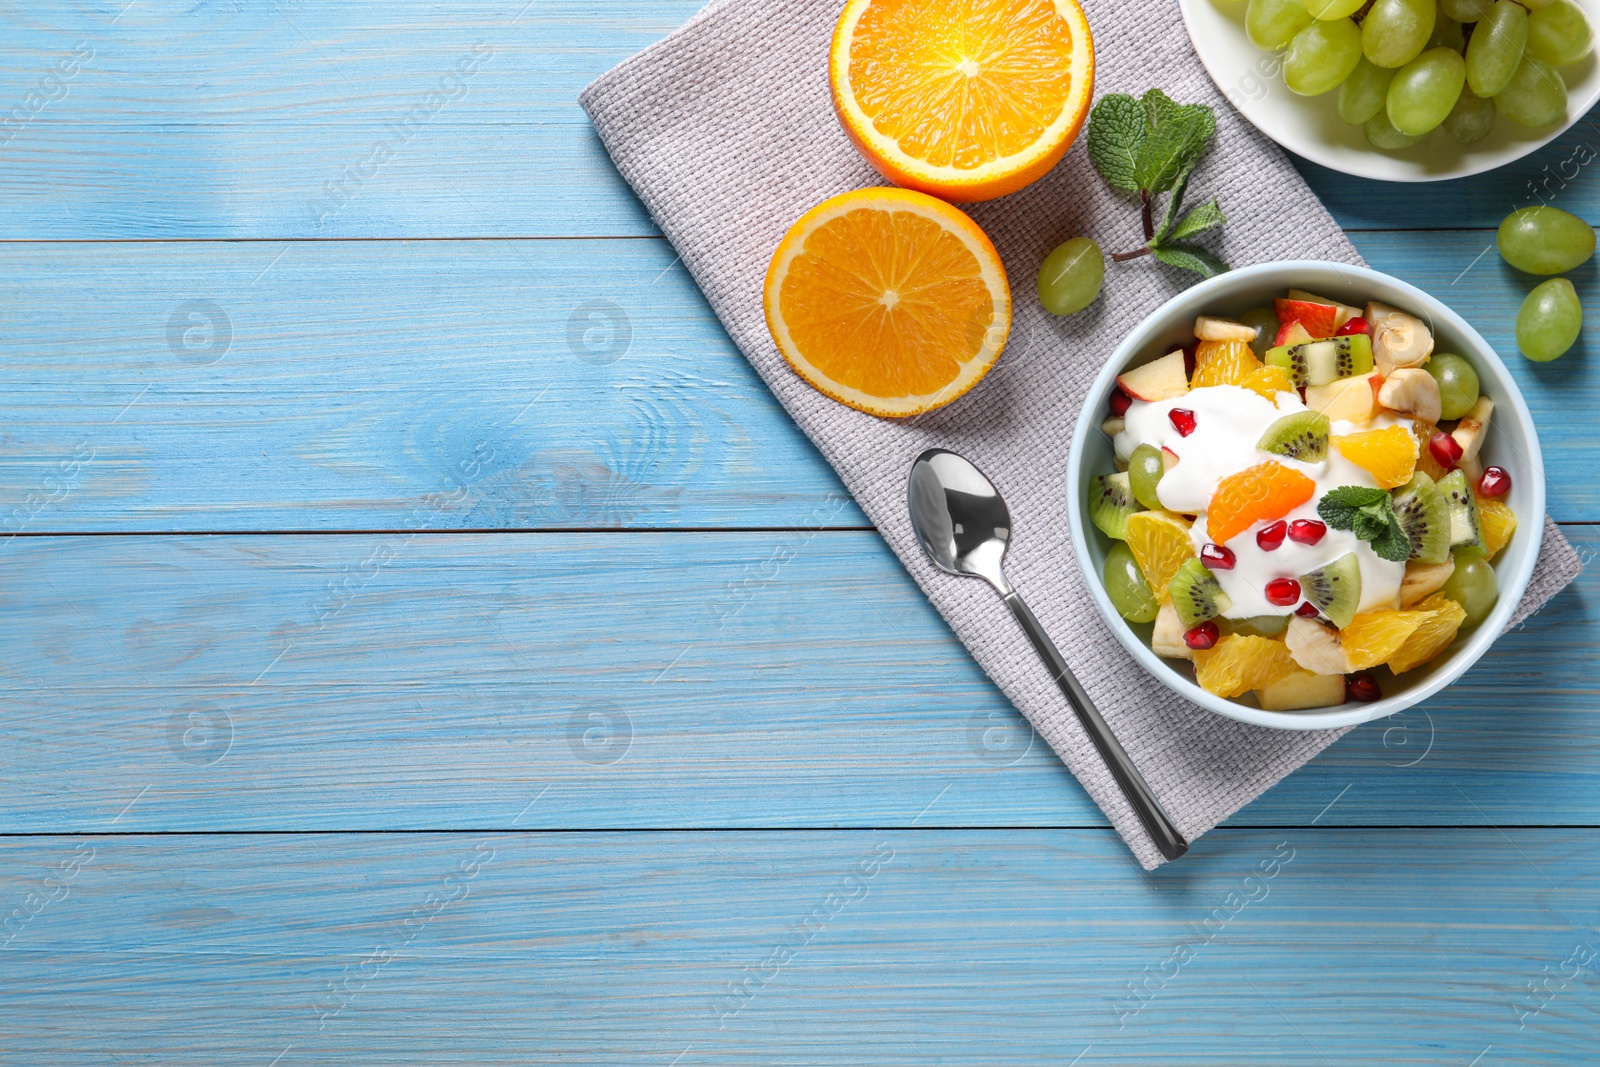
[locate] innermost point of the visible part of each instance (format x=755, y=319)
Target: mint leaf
x=1369, y=527
x=1174, y=202
x=1203, y=218
x=1160, y=108
x=1190, y=257
x=1117, y=133
x=1393, y=544
x=1169, y=150
x=1354, y=496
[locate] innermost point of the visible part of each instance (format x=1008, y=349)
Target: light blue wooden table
x=397, y=667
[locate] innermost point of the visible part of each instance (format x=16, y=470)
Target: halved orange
x=888, y=300
x=964, y=99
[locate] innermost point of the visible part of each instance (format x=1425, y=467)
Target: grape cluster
x=1406, y=67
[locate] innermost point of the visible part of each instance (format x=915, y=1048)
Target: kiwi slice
x=1110, y=503
x=1320, y=362
x=1196, y=594
x=1335, y=588
x=1425, y=517
x=1302, y=436
x=1463, y=507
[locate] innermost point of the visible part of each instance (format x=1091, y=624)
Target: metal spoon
x=964, y=527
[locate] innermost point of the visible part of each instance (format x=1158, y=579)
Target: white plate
x=1252, y=80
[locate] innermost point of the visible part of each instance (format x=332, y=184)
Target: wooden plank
x=631, y=680
x=843, y=947
x=384, y=385
x=363, y=379
x=161, y=132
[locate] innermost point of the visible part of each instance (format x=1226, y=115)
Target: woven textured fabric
x=726, y=132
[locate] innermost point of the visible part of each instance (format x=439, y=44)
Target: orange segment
x=1497, y=521
x=964, y=99
x=1432, y=635
x=1269, y=381
x=1223, y=363
x=1374, y=637
x=888, y=300
x=1159, y=541
x=1239, y=663
x=1389, y=454
x=1266, y=491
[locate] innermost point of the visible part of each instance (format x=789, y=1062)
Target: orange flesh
x=961, y=83
x=886, y=302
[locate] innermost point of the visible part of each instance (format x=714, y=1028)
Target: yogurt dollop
x=1228, y=421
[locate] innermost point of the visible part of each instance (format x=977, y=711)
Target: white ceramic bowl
x=1252, y=80
x=1513, y=444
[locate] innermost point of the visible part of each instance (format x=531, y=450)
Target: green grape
x=1328, y=10
x=1321, y=56
x=1544, y=240
x=1537, y=5
x=1265, y=320
x=1549, y=320
x=1471, y=120
x=1458, y=384
x=1425, y=89
x=1070, y=277
x=1259, y=625
x=1559, y=34
x=1472, y=584
x=1465, y=10
x=1126, y=586
x=1395, y=31
x=1145, y=468
x=1380, y=133
x=1496, y=47
x=1272, y=24
x=1447, y=33
x=1535, y=96
x=1363, y=93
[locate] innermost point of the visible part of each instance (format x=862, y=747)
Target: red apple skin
x=1319, y=320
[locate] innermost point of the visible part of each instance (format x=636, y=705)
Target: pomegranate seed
x=1182, y=421
x=1217, y=557
x=1270, y=537
x=1362, y=687
x=1308, y=610
x=1307, y=531
x=1353, y=325
x=1202, y=637
x=1120, y=402
x=1283, y=592
x=1496, y=481
x=1445, y=449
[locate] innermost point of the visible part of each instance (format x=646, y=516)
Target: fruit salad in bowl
x=1304, y=507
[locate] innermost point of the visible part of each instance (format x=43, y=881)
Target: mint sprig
x=1150, y=146
x=1369, y=514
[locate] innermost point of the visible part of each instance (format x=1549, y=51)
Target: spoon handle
x=1145, y=805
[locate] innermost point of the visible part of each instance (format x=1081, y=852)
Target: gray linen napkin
x=726, y=132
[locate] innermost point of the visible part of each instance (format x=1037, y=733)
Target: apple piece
x=1291, y=333
x=1318, y=319
x=1211, y=328
x=1342, y=313
x=1301, y=690
x=1347, y=399
x=1473, y=427
x=1162, y=379
x=1169, y=459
